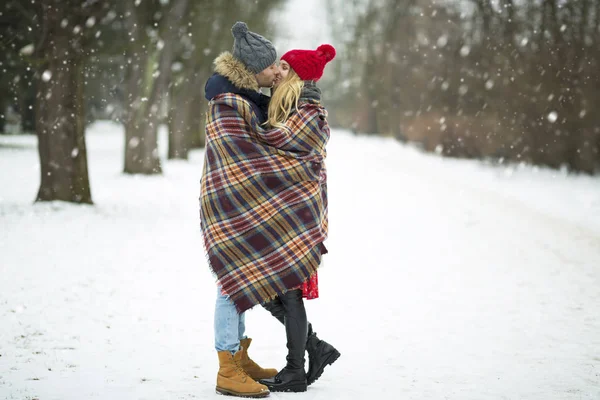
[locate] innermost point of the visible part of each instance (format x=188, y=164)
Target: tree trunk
x=197, y=122
x=596, y=35
x=187, y=117
x=60, y=111
x=179, y=132
x=28, y=104
x=179, y=119
x=141, y=144
x=141, y=147
x=198, y=109
x=487, y=12
x=2, y=114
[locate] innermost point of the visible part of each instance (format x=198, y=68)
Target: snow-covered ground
x=446, y=279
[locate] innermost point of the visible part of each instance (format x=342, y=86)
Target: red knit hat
x=309, y=64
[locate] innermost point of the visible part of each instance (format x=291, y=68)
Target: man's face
x=267, y=77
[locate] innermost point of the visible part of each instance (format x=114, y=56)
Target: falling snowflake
x=47, y=75
x=134, y=142
x=177, y=67
x=552, y=116
x=442, y=41
x=27, y=50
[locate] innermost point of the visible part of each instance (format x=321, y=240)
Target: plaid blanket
x=263, y=200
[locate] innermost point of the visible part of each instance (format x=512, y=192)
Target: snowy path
x=445, y=280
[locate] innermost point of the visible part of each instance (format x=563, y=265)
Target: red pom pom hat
x=309, y=64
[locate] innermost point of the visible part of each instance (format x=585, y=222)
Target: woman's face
x=284, y=68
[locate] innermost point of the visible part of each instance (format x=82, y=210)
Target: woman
x=263, y=205
x=296, y=96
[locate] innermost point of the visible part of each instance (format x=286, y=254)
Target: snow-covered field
x=446, y=279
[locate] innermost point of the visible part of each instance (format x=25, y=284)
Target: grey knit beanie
x=256, y=52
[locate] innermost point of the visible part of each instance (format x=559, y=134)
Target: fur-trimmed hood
x=231, y=76
x=234, y=70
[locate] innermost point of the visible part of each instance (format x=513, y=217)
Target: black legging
x=289, y=310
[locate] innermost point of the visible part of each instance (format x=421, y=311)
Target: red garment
x=310, y=288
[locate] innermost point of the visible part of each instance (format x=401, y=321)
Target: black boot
x=320, y=355
x=292, y=377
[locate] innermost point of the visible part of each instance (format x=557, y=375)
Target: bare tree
x=503, y=79
x=60, y=99
x=149, y=74
x=19, y=25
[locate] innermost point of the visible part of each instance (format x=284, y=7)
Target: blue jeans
x=229, y=325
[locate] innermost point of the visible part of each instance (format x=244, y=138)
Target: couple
x=263, y=206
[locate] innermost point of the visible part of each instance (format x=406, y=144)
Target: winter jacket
x=232, y=77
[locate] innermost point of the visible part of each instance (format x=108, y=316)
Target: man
x=240, y=74
x=250, y=66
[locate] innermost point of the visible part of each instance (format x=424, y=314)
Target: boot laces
x=240, y=370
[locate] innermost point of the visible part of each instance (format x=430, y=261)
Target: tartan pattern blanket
x=263, y=199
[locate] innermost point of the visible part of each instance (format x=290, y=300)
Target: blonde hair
x=285, y=99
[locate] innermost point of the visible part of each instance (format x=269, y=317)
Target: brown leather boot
x=252, y=368
x=232, y=380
